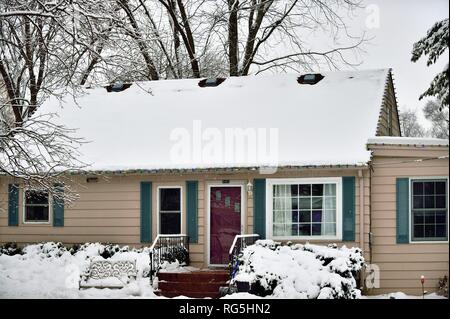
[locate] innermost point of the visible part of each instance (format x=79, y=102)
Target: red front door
x=225, y=219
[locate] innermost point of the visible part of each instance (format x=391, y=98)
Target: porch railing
x=168, y=248
x=239, y=243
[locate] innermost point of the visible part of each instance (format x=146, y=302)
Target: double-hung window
x=429, y=210
x=36, y=206
x=305, y=208
x=169, y=210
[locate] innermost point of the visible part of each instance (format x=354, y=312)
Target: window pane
x=329, y=216
x=330, y=189
x=329, y=229
x=429, y=231
x=429, y=201
x=418, y=218
x=304, y=203
x=329, y=203
x=440, y=188
x=418, y=231
x=294, y=216
x=279, y=230
x=441, y=231
x=418, y=201
x=304, y=230
x=294, y=190
x=441, y=201
x=304, y=216
x=441, y=217
x=429, y=218
x=36, y=197
x=169, y=199
x=278, y=216
x=317, y=216
x=317, y=229
x=317, y=202
x=317, y=189
x=170, y=223
x=294, y=203
x=36, y=213
x=418, y=188
x=304, y=190
x=279, y=204
x=294, y=230
x=428, y=188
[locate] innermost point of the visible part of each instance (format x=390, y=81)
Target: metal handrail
x=165, y=236
x=239, y=243
x=166, y=250
x=240, y=236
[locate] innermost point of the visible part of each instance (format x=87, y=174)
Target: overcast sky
x=401, y=23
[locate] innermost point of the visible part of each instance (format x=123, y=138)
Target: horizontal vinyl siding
x=402, y=265
x=109, y=210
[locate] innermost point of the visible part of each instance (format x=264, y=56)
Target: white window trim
x=24, y=207
x=319, y=180
x=158, y=205
x=411, y=241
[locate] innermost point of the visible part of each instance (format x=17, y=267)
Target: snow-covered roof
x=406, y=141
x=323, y=124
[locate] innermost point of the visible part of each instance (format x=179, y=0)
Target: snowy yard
x=51, y=271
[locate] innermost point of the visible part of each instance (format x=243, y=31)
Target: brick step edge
x=171, y=286
x=194, y=276
x=199, y=295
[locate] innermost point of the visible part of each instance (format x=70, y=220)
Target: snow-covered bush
x=300, y=271
x=10, y=249
x=51, y=270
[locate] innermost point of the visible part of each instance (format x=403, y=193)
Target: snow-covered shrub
x=300, y=271
x=443, y=286
x=10, y=249
x=86, y=252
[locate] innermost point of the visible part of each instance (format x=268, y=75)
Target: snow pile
x=300, y=271
x=50, y=270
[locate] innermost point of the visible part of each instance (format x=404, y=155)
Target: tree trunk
x=233, y=37
x=152, y=72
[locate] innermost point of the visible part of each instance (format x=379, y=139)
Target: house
x=315, y=157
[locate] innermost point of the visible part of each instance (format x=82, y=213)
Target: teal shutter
x=259, y=207
x=146, y=212
x=58, y=207
x=402, y=195
x=192, y=210
x=348, y=208
x=13, y=205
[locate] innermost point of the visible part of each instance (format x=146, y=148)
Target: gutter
x=361, y=216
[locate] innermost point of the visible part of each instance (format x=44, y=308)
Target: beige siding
x=402, y=265
x=109, y=210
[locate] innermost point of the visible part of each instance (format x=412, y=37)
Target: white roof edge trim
x=407, y=141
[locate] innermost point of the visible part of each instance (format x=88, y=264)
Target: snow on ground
x=50, y=271
x=401, y=295
x=45, y=271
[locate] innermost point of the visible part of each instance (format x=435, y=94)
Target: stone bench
x=108, y=274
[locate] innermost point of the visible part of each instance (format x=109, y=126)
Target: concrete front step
x=196, y=284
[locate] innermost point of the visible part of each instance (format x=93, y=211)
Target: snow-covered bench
x=104, y=273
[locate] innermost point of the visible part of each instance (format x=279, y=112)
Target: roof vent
x=118, y=86
x=211, y=82
x=310, y=78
